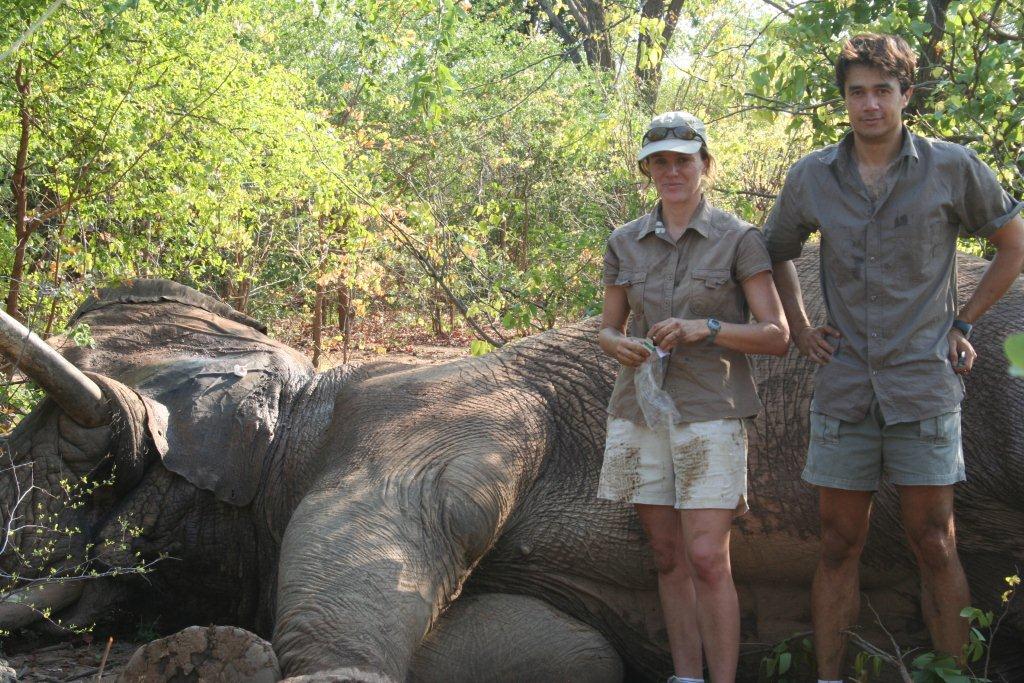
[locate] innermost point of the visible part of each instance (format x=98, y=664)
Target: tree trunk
x=344, y=320
x=928, y=57
x=19, y=188
x=597, y=43
x=653, y=44
x=591, y=24
x=318, y=324
x=342, y=307
x=48, y=330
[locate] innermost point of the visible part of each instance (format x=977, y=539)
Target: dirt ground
x=72, y=661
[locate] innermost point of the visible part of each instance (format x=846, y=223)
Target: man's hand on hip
x=813, y=343
x=961, y=353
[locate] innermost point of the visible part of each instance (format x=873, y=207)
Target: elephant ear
x=222, y=388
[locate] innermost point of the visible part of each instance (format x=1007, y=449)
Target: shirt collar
x=700, y=221
x=909, y=148
x=840, y=152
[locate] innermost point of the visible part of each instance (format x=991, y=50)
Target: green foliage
x=976, y=644
x=1014, y=346
x=479, y=347
x=81, y=334
x=793, y=659
x=146, y=631
x=789, y=661
x=436, y=158
x=16, y=401
x=970, y=82
x=39, y=541
x=867, y=665
x=931, y=667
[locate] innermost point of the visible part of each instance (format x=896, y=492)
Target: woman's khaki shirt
x=696, y=277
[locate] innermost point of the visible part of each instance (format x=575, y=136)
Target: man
x=888, y=205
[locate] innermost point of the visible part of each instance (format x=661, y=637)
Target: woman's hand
x=673, y=331
x=630, y=353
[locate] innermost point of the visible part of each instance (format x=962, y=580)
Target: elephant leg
x=498, y=638
x=367, y=568
x=372, y=557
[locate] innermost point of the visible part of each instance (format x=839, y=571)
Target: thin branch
x=30, y=31
x=901, y=667
x=788, y=11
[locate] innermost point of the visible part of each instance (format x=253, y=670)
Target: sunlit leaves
x=972, y=92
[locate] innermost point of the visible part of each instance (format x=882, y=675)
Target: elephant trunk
x=27, y=605
x=76, y=394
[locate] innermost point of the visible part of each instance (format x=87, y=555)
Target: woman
x=691, y=275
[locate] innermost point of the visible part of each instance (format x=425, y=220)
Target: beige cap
x=669, y=120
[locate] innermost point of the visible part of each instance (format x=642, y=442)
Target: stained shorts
x=857, y=456
x=689, y=465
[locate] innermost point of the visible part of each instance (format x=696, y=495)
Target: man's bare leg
x=927, y=513
x=835, y=594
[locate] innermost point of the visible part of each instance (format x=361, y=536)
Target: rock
x=211, y=653
x=7, y=674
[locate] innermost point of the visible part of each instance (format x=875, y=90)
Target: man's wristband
x=964, y=327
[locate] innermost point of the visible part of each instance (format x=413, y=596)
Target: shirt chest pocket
x=919, y=249
x=711, y=292
x=634, y=281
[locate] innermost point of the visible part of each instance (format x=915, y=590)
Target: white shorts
x=690, y=465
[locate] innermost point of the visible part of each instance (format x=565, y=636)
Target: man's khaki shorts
x=856, y=456
x=690, y=465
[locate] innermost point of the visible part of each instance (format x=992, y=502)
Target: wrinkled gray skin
x=439, y=523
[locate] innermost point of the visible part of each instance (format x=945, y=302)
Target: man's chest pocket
x=711, y=292
x=634, y=282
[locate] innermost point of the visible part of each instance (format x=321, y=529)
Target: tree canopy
x=459, y=162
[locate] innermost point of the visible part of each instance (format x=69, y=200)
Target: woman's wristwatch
x=715, y=327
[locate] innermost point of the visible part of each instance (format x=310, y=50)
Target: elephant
x=390, y=522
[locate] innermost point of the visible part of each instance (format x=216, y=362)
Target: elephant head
x=151, y=446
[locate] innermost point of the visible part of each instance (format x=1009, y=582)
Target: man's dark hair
x=889, y=53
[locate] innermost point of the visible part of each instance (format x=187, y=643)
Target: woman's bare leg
x=706, y=538
x=675, y=587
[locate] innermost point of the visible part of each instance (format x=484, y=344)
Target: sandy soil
x=72, y=662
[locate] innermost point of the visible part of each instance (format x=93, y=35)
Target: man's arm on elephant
x=785, y=231
x=810, y=340
x=1001, y=272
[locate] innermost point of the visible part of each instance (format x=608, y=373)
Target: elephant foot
x=210, y=653
x=499, y=638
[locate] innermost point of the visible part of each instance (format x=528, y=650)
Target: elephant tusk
x=24, y=606
x=76, y=394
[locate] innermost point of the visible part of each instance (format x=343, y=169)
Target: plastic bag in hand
x=657, y=407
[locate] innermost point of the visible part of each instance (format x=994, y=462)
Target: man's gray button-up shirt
x=888, y=269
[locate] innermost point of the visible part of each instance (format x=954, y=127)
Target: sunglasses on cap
x=683, y=132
